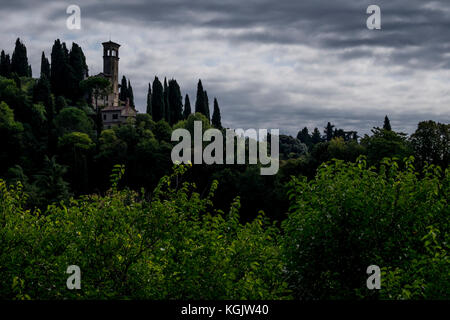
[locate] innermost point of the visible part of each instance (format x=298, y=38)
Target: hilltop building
x=114, y=111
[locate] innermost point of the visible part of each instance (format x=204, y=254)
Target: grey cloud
x=271, y=63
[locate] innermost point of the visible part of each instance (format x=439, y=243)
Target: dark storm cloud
x=297, y=62
x=329, y=24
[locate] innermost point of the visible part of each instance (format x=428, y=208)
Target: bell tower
x=111, y=69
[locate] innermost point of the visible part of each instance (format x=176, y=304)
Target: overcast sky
x=272, y=64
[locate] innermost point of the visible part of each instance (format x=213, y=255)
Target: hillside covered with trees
x=112, y=202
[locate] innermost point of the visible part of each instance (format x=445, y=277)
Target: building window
x=115, y=116
x=104, y=117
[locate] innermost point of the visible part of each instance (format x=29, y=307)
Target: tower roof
x=111, y=44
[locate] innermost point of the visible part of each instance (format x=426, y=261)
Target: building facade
x=114, y=111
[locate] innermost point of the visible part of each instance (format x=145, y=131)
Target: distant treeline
x=53, y=140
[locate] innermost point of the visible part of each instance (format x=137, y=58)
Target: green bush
x=426, y=275
x=173, y=244
x=172, y=247
x=351, y=216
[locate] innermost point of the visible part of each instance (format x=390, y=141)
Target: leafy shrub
x=425, y=276
x=172, y=247
x=175, y=245
x=351, y=216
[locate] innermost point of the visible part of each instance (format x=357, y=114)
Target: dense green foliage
x=430, y=143
x=176, y=246
x=350, y=217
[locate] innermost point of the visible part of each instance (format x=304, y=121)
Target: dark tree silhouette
x=305, y=137
x=60, y=73
x=149, y=99
x=187, y=107
x=175, y=101
x=387, y=124
x=200, y=103
x=158, y=106
x=216, y=118
x=316, y=137
x=123, y=94
x=329, y=132
x=5, y=65
x=130, y=94
x=45, y=67
x=19, y=63
x=206, y=107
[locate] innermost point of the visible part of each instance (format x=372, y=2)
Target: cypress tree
x=5, y=65
x=167, y=107
x=65, y=52
x=57, y=67
x=42, y=93
x=200, y=102
x=216, y=118
x=175, y=102
x=149, y=99
x=60, y=72
x=123, y=95
x=187, y=107
x=78, y=66
x=45, y=67
x=130, y=94
x=8, y=65
x=206, y=107
x=19, y=63
x=387, y=124
x=157, y=100
x=68, y=74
